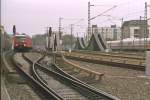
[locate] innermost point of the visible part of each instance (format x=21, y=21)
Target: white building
x=135, y=29
x=109, y=33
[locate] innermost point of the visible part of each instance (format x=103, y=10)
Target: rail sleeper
x=93, y=74
x=115, y=60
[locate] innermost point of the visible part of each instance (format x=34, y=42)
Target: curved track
x=44, y=92
x=66, y=87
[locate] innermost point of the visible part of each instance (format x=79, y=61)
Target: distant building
x=109, y=33
x=135, y=29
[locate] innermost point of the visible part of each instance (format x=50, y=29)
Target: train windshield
x=20, y=38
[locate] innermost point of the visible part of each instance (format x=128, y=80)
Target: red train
x=21, y=42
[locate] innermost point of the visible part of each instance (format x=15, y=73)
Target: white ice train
x=130, y=44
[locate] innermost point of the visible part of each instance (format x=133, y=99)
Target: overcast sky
x=33, y=16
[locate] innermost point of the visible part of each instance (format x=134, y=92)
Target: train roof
x=21, y=35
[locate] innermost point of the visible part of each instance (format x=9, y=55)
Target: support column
x=60, y=35
x=89, y=23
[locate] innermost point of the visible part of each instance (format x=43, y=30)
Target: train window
x=20, y=38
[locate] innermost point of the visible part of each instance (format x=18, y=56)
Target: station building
x=109, y=33
x=135, y=29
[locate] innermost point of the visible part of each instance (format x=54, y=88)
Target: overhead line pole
x=145, y=33
x=48, y=37
x=140, y=32
x=89, y=23
x=71, y=36
x=60, y=33
x=145, y=16
x=121, y=34
x=89, y=18
x=71, y=30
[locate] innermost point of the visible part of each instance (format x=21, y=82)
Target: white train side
x=130, y=44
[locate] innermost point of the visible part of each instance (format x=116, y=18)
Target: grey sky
x=32, y=16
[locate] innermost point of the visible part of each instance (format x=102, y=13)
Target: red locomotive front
x=22, y=42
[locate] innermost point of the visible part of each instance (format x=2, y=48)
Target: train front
x=21, y=42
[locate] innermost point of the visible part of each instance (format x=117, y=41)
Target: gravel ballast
x=16, y=85
x=127, y=84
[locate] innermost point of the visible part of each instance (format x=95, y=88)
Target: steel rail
x=44, y=91
x=98, y=61
x=96, y=91
x=39, y=79
x=112, y=54
x=74, y=81
x=114, y=64
x=80, y=85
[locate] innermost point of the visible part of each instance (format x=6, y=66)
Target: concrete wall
x=126, y=32
x=109, y=33
x=132, y=31
x=128, y=28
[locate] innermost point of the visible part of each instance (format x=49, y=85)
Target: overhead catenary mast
x=89, y=22
x=146, y=27
x=89, y=18
x=71, y=35
x=121, y=34
x=60, y=33
x=145, y=33
x=60, y=27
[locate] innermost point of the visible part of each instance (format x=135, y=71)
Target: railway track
x=7, y=60
x=123, y=83
x=65, y=86
x=106, y=59
x=113, y=60
x=44, y=93
x=114, y=54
